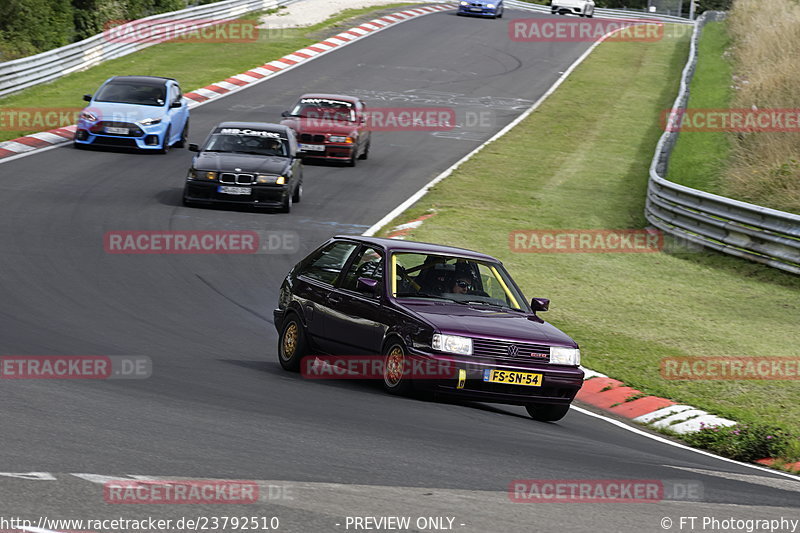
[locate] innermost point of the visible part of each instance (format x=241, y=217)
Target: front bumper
x=268, y=196
x=477, y=11
x=332, y=152
x=139, y=138
x=560, y=383
x=563, y=10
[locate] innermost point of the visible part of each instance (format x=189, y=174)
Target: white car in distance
x=583, y=8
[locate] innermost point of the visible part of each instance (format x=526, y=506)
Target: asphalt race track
x=218, y=406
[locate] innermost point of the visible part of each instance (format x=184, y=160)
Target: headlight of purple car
x=565, y=356
x=452, y=344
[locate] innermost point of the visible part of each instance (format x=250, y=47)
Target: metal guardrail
x=604, y=13
x=737, y=228
x=29, y=71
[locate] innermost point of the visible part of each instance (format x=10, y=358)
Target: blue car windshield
x=132, y=93
x=419, y=275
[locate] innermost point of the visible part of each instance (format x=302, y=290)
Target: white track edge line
x=664, y=440
x=420, y=193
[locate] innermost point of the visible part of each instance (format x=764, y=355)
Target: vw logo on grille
x=513, y=350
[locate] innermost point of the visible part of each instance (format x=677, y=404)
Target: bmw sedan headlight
x=490, y=6
x=204, y=175
x=85, y=115
x=565, y=356
x=464, y=3
x=149, y=121
x=452, y=344
x=266, y=179
x=340, y=139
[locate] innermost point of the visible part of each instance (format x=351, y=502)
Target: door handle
x=334, y=299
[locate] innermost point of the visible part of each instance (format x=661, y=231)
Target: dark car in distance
x=330, y=127
x=246, y=163
x=410, y=302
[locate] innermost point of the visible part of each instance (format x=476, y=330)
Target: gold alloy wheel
x=395, y=360
x=289, y=344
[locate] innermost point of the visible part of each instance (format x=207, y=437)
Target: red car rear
x=330, y=127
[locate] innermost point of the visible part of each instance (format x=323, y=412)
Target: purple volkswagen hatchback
x=411, y=302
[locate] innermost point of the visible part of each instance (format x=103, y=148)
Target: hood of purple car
x=488, y=322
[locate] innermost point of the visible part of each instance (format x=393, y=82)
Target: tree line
x=29, y=27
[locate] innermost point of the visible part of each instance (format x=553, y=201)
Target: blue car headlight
x=87, y=116
x=150, y=121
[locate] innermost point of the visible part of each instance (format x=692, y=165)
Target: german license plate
x=312, y=147
x=117, y=131
x=512, y=377
x=234, y=190
x=478, y=9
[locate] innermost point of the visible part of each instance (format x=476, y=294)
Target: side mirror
x=540, y=304
x=87, y=97
x=285, y=114
x=194, y=148
x=367, y=285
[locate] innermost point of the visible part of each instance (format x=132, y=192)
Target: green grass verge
x=582, y=162
x=194, y=65
x=700, y=159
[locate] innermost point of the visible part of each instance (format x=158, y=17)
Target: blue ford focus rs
x=483, y=8
x=139, y=112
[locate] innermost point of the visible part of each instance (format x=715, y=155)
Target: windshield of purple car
x=247, y=141
x=454, y=278
x=132, y=93
x=324, y=109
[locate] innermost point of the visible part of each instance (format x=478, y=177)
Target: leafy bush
x=748, y=442
x=29, y=27
x=713, y=5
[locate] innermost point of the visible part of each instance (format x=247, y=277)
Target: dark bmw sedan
x=251, y=163
x=410, y=302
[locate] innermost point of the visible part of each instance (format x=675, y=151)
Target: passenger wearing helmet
x=462, y=285
x=464, y=279
x=272, y=146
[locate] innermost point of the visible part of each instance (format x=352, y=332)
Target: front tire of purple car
x=291, y=344
x=545, y=412
x=395, y=365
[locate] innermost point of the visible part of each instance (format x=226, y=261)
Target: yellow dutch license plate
x=512, y=377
